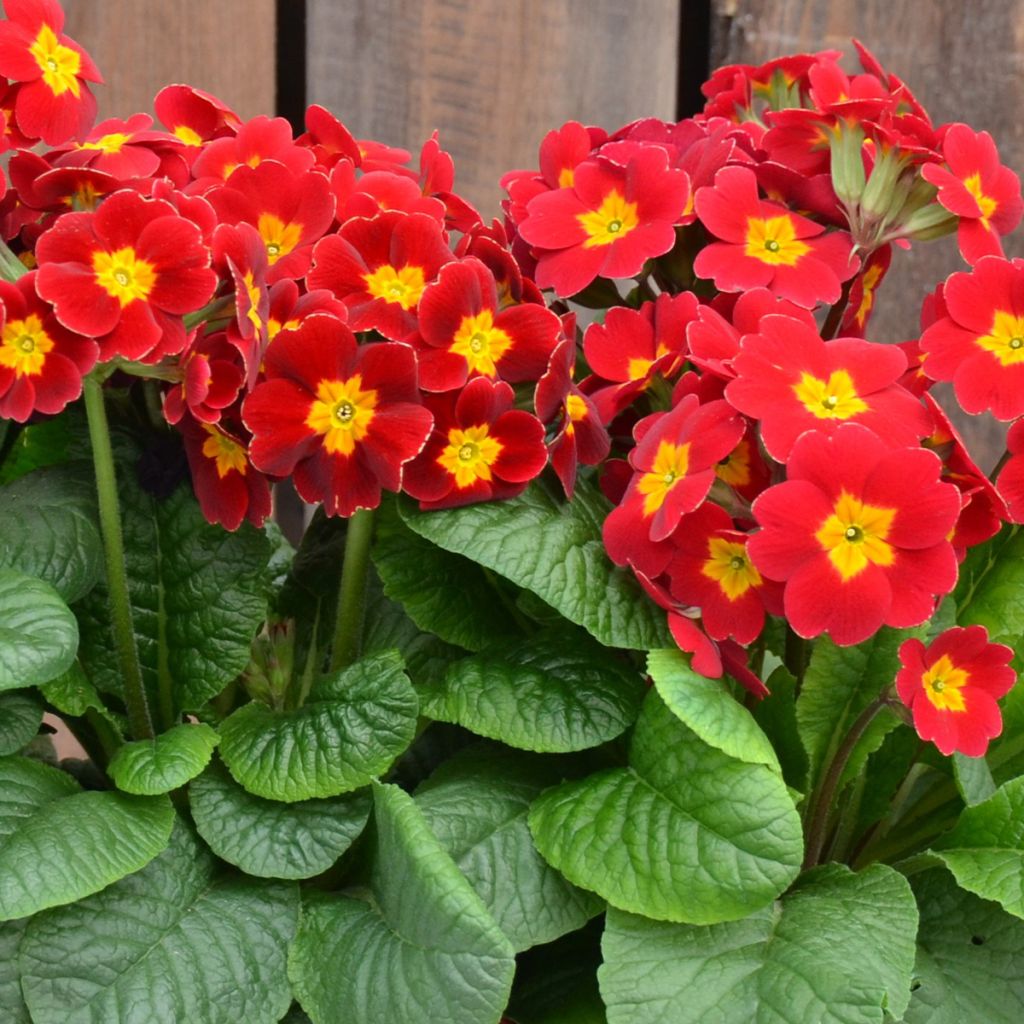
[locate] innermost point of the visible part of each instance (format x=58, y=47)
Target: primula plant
x=648, y=656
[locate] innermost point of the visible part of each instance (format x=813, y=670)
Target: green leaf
x=553, y=694
x=477, y=804
x=52, y=441
x=149, y=767
x=990, y=592
x=198, y=595
x=71, y=693
x=776, y=715
x=709, y=709
x=38, y=633
x=419, y=947
x=272, y=839
x=552, y=547
x=21, y=714
x=354, y=726
x=839, y=684
x=49, y=530
x=969, y=966
x=973, y=778
x=685, y=833
x=174, y=942
x=443, y=593
x=12, y=1006
x=837, y=949
x=58, y=844
x=985, y=851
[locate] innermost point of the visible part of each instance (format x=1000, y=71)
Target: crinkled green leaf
x=776, y=715
x=973, y=778
x=21, y=714
x=71, y=693
x=52, y=441
x=198, y=595
x=709, y=709
x=12, y=1006
x=985, y=851
x=477, y=804
x=443, y=593
x=969, y=966
x=990, y=591
x=838, y=948
x=271, y=839
x=148, y=767
x=840, y=682
x=685, y=833
x=420, y=946
x=49, y=530
x=38, y=633
x=555, y=693
x=172, y=943
x=350, y=731
x=59, y=844
x=553, y=547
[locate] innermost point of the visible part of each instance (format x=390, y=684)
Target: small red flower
x=858, y=533
x=126, y=274
x=41, y=362
x=212, y=376
x=607, y=222
x=979, y=343
x=792, y=381
x=465, y=334
x=952, y=685
x=342, y=419
x=53, y=103
x=762, y=244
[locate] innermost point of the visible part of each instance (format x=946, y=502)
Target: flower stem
x=835, y=315
x=820, y=802
x=348, y=625
x=795, y=656
x=113, y=549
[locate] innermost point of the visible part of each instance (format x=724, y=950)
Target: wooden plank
x=492, y=75
x=963, y=62
x=226, y=48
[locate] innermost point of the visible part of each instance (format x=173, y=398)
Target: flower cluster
x=326, y=309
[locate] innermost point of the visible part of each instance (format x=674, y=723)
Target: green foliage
x=685, y=833
x=58, y=844
x=12, y=1006
x=555, y=551
x=838, y=948
x=173, y=942
x=477, y=804
x=271, y=839
x=149, y=767
x=990, y=592
x=38, y=633
x=21, y=714
x=418, y=946
x=350, y=731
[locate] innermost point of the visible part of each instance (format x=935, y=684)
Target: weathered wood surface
x=227, y=48
x=491, y=75
x=963, y=61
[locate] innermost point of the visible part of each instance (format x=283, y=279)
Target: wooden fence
x=494, y=75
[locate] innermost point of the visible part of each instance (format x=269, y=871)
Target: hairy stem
x=113, y=550
x=835, y=315
x=348, y=625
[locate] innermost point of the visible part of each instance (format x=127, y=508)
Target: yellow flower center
x=1006, y=338
x=278, y=237
x=111, y=143
x=60, y=65
x=404, y=285
x=253, y=315
x=342, y=413
x=188, y=135
x=773, y=240
x=227, y=453
x=943, y=684
x=727, y=564
x=832, y=399
x=734, y=469
x=123, y=275
x=23, y=346
x=855, y=536
x=610, y=222
x=986, y=204
x=566, y=177
x=469, y=455
x=480, y=343
x=275, y=327
x=671, y=464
